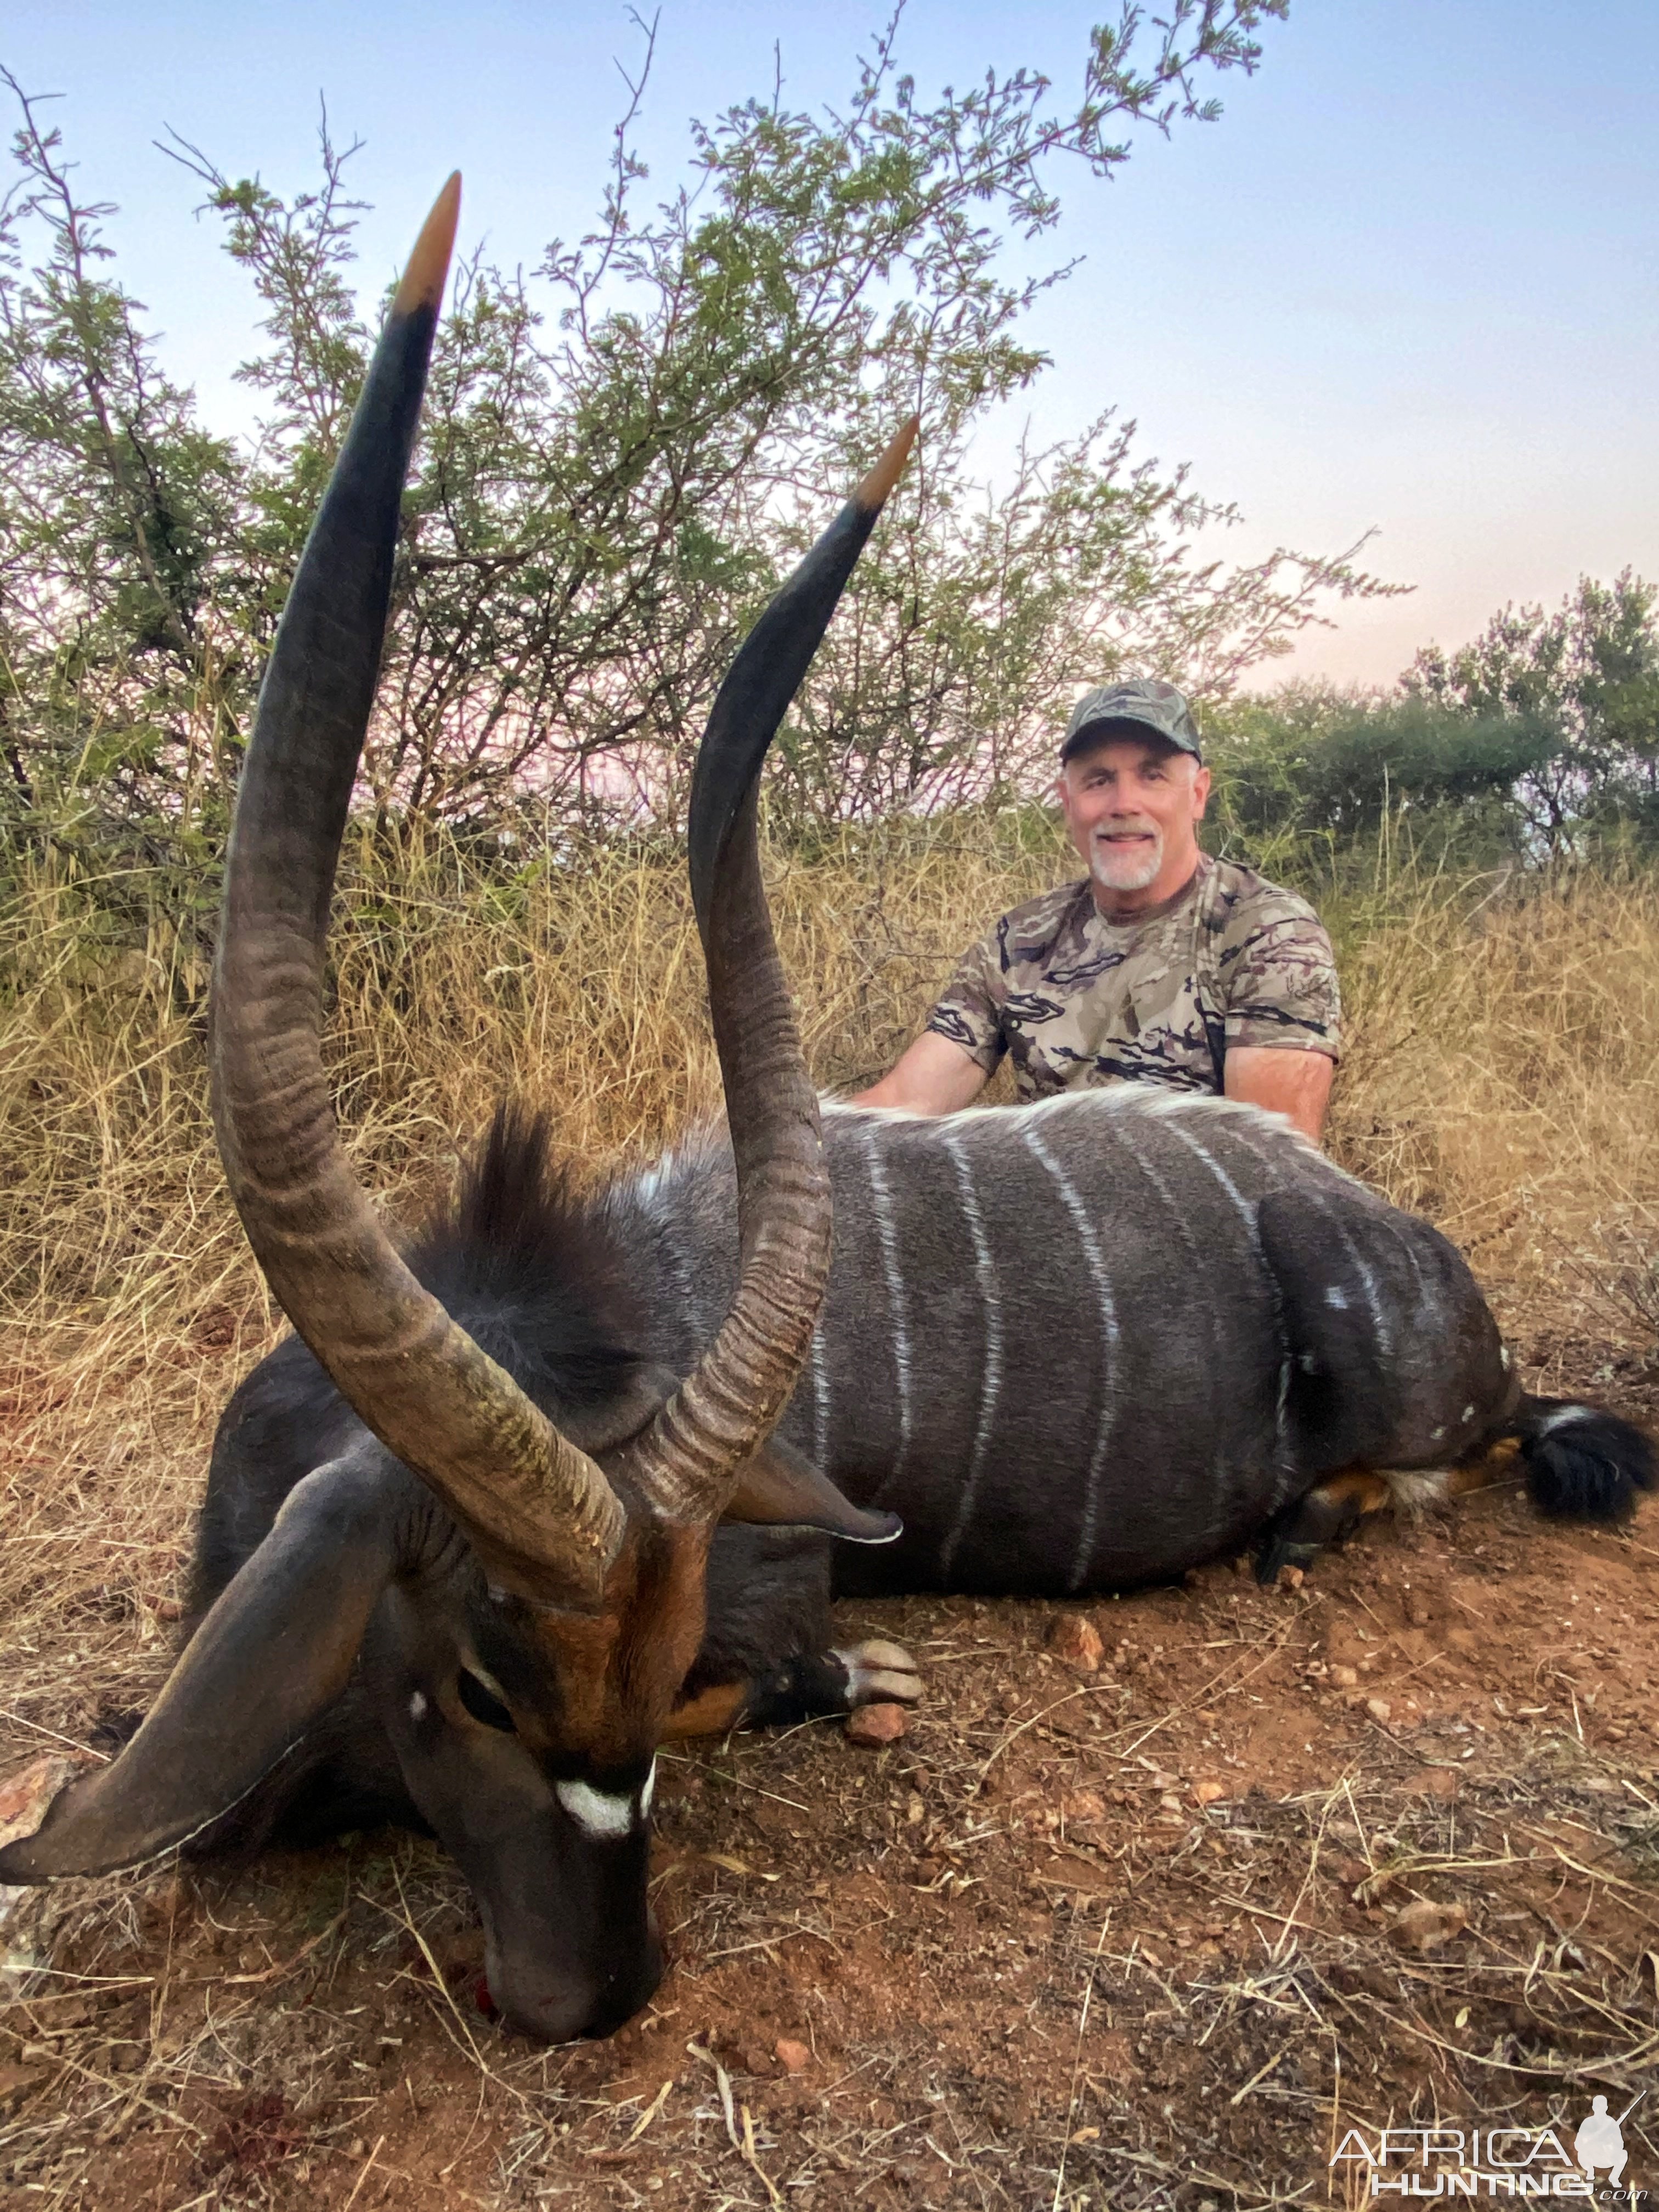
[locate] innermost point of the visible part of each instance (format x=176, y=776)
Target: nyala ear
x=780, y=1488
x=276, y=1647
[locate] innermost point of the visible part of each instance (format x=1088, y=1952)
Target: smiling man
x=1162, y=966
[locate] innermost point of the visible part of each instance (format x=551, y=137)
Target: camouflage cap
x=1157, y=707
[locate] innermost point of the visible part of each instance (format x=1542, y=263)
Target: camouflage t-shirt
x=1078, y=1000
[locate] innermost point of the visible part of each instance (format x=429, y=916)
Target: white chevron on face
x=607, y=1814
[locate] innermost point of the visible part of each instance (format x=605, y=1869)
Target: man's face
x=1132, y=806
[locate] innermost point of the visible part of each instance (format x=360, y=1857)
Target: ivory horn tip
x=423, y=280
x=872, y=494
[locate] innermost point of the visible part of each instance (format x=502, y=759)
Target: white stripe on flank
x=1368, y=1283
x=820, y=1401
x=1264, y=1135
x=1423, y=1309
x=991, y=1376
x=1315, y=1158
x=1178, y=1218
x=1138, y=1156
x=1425, y=1296
x=1222, y=1176
x=888, y=1236
x=1096, y=1259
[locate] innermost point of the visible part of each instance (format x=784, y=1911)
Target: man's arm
x=933, y=1076
x=1284, y=1080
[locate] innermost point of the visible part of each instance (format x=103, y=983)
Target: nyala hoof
x=878, y=1673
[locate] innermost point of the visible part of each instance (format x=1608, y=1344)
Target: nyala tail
x=1582, y=1464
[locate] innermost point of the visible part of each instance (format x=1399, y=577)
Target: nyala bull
x=572, y=1477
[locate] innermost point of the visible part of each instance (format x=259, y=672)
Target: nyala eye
x=482, y=1703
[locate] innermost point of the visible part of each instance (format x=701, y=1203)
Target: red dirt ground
x=1383, y=1848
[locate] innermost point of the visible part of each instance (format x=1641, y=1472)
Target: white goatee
x=1128, y=868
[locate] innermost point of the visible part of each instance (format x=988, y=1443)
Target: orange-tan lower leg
x=1498, y=1462
x=1323, y=1515
x=711, y=1712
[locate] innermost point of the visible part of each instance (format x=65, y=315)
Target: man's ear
x=275, y=1647
x=1200, y=792
x=780, y=1488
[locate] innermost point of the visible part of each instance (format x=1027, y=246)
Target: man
x=1162, y=966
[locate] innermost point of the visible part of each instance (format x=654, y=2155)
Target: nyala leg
x=767, y=1659
x=810, y=1683
x=1328, y=1514
x=806, y=1686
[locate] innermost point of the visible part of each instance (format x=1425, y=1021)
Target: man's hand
x=1285, y=1081
x=933, y=1076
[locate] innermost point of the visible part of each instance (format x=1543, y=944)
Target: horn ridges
x=688, y=1458
x=540, y=1512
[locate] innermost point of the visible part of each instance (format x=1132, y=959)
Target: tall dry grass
x=1501, y=1077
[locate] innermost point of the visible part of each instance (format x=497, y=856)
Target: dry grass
x=1504, y=1070
x=1502, y=1077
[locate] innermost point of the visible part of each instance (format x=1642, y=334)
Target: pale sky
x=1409, y=283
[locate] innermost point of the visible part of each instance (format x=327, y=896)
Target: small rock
x=1075, y=1642
x=1379, y=1709
x=874, y=1725
x=1350, y=1871
x=1434, y=1782
x=1291, y=1578
x=167, y=1608
x=1206, y=1793
x=24, y=1799
x=1419, y=1612
x=1345, y=1678
x=1084, y=1805
x=1424, y=1927
x=790, y=2055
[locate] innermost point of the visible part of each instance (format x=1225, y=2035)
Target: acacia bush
x=623, y=450
x=1536, y=743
